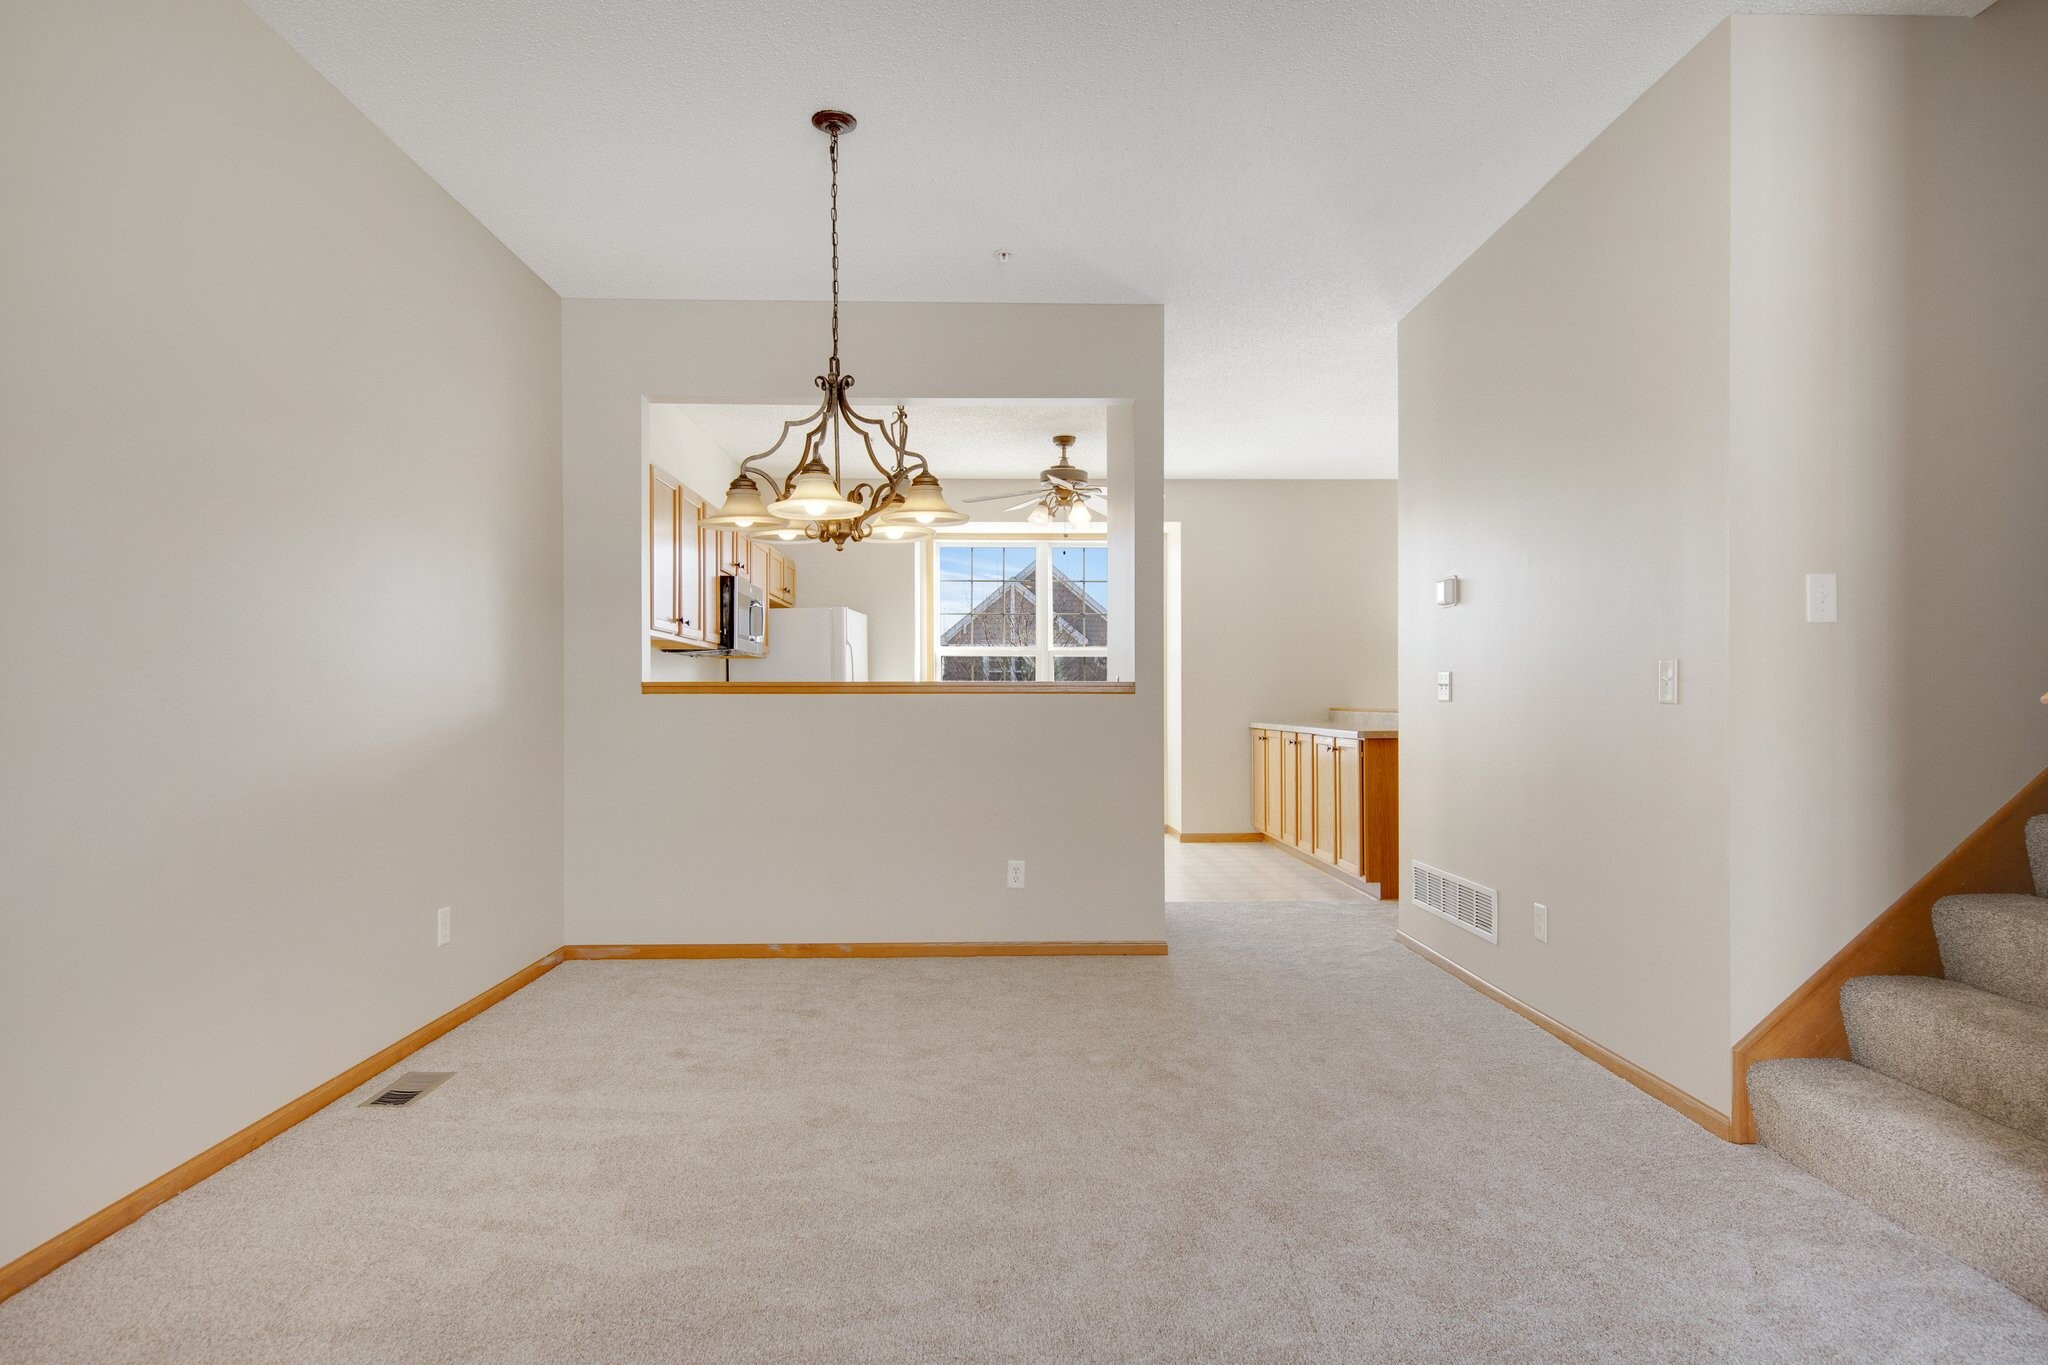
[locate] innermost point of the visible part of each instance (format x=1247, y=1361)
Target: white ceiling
x=1287, y=179
x=962, y=441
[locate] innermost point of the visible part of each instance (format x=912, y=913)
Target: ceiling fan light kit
x=1067, y=496
x=904, y=502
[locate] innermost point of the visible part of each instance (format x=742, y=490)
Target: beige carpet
x=1289, y=1141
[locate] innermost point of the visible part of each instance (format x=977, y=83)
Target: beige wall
x=280, y=584
x=1564, y=452
x=877, y=580
x=1891, y=325
x=673, y=801
x=1785, y=316
x=1287, y=609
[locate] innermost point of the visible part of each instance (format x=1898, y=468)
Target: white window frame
x=1043, y=652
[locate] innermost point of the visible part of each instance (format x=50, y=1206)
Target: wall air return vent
x=1467, y=904
x=407, y=1088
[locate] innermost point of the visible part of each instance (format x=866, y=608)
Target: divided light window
x=1021, y=611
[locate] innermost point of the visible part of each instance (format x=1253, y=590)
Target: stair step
x=1977, y=1188
x=2037, y=852
x=1996, y=943
x=1972, y=1048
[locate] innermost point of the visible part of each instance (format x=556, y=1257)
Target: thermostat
x=1447, y=591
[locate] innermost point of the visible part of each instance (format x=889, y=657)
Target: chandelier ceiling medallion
x=812, y=501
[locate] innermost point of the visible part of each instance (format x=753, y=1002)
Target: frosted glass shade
x=744, y=509
x=924, y=504
x=815, y=497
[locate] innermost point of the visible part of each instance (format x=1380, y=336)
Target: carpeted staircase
x=1941, y=1120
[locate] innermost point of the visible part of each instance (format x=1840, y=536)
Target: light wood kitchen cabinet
x=675, y=615
x=1290, y=787
x=1258, y=778
x=1332, y=795
x=1349, y=832
x=686, y=557
x=782, y=580
x=1323, y=831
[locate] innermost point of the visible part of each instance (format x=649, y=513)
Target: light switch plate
x=1667, y=681
x=1820, y=599
x=444, y=929
x=1443, y=687
x=1542, y=922
x=1447, y=591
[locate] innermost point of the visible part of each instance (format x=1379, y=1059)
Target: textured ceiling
x=962, y=440
x=1287, y=179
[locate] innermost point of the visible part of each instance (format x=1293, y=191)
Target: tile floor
x=1247, y=872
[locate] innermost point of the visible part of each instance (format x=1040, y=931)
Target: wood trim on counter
x=1656, y=1087
x=886, y=689
x=32, y=1265
x=1899, y=942
x=645, y=952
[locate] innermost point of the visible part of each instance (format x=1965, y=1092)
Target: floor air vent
x=407, y=1088
x=1463, y=903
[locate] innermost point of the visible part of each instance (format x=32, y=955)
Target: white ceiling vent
x=1463, y=903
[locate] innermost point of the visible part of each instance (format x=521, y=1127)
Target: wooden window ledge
x=890, y=689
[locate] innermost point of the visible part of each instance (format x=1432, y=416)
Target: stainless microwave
x=742, y=617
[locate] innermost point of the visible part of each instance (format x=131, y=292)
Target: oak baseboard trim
x=698, y=952
x=32, y=1265
x=1252, y=838
x=1656, y=1087
x=1899, y=942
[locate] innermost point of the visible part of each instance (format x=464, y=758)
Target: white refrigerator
x=810, y=644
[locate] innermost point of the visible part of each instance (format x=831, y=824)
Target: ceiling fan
x=1067, y=495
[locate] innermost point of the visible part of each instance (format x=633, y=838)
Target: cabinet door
x=1350, y=811
x=1290, y=786
x=1380, y=827
x=1272, y=785
x=690, y=570
x=788, y=581
x=664, y=544
x=757, y=565
x=710, y=557
x=1260, y=808
x=1327, y=808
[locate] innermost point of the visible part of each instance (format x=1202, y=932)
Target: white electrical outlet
x=1667, y=681
x=1443, y=687
x=1820, y=599
x=1016, y=873
x=1542, y=922
x=443, y=929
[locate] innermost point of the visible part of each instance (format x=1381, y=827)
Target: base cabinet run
x=1333, y=796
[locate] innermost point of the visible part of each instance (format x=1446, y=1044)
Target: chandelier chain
x=835, y=253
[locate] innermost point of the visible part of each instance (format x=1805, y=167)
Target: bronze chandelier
x=904, y=502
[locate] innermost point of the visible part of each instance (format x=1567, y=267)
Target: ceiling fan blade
x=1028, y=502
x=998, y=497
x=1063, y=483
